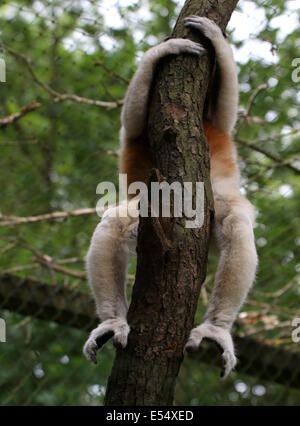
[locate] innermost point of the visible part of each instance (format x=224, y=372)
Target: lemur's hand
x=221, y=337
x=208, y=27
x=176, y=46
x=116, y=328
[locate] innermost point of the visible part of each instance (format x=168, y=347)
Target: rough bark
x=171, y=258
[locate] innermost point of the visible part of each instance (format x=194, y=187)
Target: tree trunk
x=171, y=258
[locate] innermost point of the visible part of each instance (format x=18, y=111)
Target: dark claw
x=222, y=374
x=93, y=355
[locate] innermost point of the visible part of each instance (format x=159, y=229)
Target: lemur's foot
x=116, y=328
x=183, y=45
x=221, y=337
x=208, y=27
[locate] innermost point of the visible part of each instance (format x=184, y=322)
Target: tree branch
x=172, y=259
x=246, y=113
x=111, y=72
x=50, y=263
x=17, y=220
x=12, y=118
x=276, y=158
x=57, y=96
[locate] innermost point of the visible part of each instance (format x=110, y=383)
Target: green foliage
x=52, y=159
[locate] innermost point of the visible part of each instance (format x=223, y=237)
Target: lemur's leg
x=107, y=269
x=134, y=112
x=225, y=114
x=235, y=273
x=234, y=216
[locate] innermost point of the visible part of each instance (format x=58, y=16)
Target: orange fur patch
x=222, y=152
x=136, y=159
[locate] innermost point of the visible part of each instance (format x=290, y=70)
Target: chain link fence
x=67, y=66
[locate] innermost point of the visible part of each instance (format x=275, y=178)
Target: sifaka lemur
x=233, y=224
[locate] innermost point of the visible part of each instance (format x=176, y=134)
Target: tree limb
x=57, y=96
x=12, y=118
x=172, y=259
x=276, y=158
x=17, y=220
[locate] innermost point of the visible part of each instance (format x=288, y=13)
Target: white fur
x=225, y=115
x=219, y=335
x=107, y=257
x=120, y=329
x=134, y=111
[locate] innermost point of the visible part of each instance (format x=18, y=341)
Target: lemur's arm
x=106, y=261
x=225, y=113
x=233, y=221
x=134, y=112
x=107, y=257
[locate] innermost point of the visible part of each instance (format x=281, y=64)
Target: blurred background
x=68, y=64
